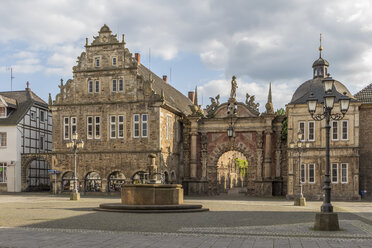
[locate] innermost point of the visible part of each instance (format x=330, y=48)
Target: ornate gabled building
x=123, y=112
x=344, y=141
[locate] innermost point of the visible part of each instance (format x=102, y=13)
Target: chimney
x=165, y=78
x=191, y=96
x=138, y=58
x=28, y=86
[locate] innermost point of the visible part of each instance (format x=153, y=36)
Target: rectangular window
x=334, y=173
x=73, y=125
x=41, y=143
x=90, y=87
x=136, y=126
x=169, y=127
x=3, y=178
x=344, y=130
x=311, y=131
x=121, y=126
x=334, y=130
x=121, y=85
x=144, y=125
x=303, y=173
x=301, y=128
x=114, y=85
x=2, y=112
x=66, y=133
x=114, y=61
x=113, y=127
x=32, y=115
x=42, y=115
x=311, y=173
x=89, y=127
x=344, y=173
x=97, y=86
x=2, y=139
x=97, y=133
x=97, y=62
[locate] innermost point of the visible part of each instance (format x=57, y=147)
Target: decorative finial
x=50, y=102
x=28, y=85
x=196, y=96
x=320, y=46
x=269, y=105
x=269, y=98
x=86, y=41
x=61, y=82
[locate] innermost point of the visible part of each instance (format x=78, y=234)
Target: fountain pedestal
x=151, y=194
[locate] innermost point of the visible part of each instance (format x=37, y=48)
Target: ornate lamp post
x=300, y=200
x=75, y=144
x=327, y=220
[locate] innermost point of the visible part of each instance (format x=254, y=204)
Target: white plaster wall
x=12, y=153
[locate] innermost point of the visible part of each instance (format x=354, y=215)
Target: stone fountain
x=151, y=197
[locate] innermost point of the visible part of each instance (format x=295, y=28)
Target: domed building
x=344, y=141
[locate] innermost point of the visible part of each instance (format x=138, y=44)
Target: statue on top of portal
x=234, y=86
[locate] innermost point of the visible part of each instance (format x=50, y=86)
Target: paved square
x=43, y=220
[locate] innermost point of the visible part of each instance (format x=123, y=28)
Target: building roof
x=22, y=100
x=173, y=97
x=320, y=62
x=316, y=87
x=365, y=95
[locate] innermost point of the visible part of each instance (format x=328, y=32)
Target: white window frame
x=73, y=125
x=299, y=128
x=121, y=124
x=120, y=81
x=90, y=86
x=308, y=173
x=303, y=169
x=337, y=131
x=90, y=125
x=97, y=124
x=144, y=125
x=3, y=144
x=114, y=61
x=112, y=126
x=97, y=89
x=347, y=172
x=66, y=126
x=114, y=85
x=5, y=112
x=332, y=164
x=342, y=129
x=135, y=123
x=4, y=167
x=308, y=131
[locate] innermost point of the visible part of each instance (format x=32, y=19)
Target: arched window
x=93, y=182
x=68, y=181
x=115, y=180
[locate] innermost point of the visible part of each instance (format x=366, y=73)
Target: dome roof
x=316, y=87
x=320, y=62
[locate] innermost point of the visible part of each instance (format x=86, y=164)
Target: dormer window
x=3, y=113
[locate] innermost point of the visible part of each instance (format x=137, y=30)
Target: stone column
x=204, y=155
x=267, y=163
x=193, y=150
x=278, y=156
x=259, y=140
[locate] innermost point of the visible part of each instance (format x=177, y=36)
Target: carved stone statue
x=250, y=102
x=214, y=104
x=234, y=86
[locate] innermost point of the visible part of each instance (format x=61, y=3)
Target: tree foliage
x=242, y=165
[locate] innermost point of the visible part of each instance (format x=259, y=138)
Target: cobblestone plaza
x=43, y=220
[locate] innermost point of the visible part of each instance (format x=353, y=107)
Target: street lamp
x=327, y=220
x=75, y=144
x=231, y=112
x=300, y=200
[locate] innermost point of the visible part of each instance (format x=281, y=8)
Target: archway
x=68, y=181
x=115, y=180
x=38, y=176
x=92, y=182
x=232, y=171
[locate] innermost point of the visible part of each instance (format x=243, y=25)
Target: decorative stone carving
x=259, y=164
x=250, y=102
x=259, y=140
x=212, y=108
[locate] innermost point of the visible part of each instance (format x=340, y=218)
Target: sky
x=196, y=43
